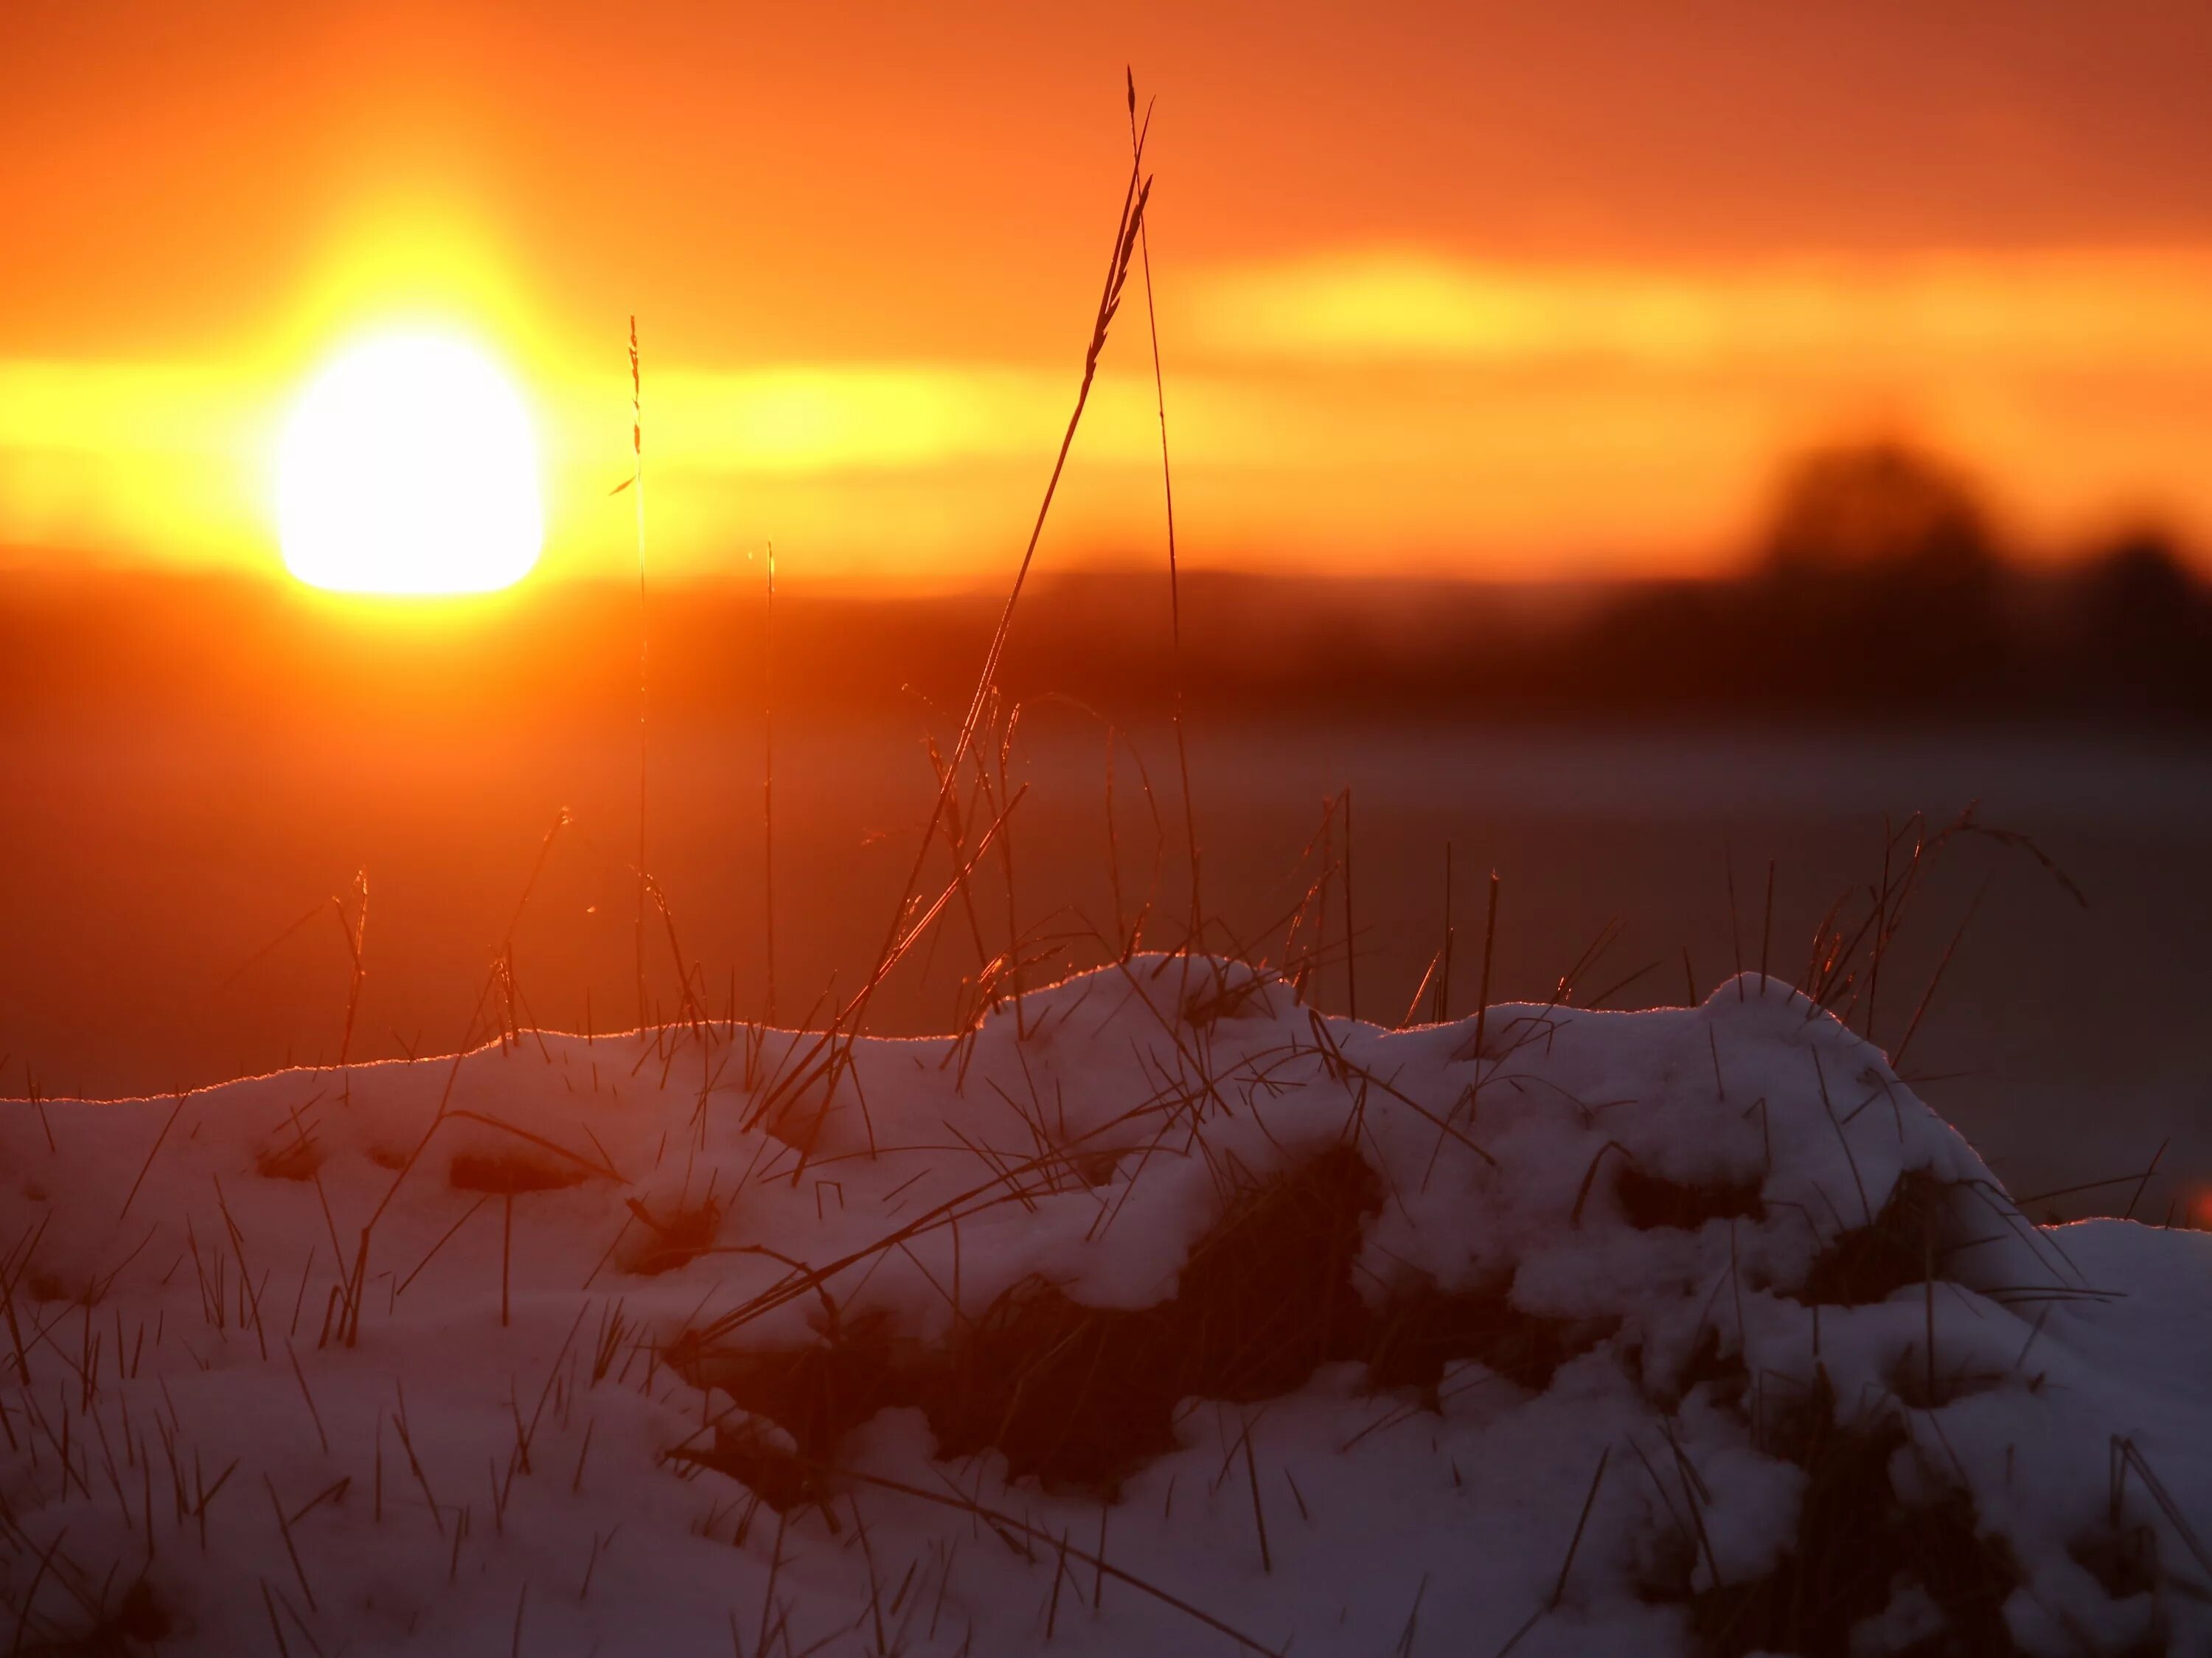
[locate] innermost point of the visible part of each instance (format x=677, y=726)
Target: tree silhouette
x=1874, y=509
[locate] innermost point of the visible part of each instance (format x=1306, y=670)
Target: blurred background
x=1633, y=450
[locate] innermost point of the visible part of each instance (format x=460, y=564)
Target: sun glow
x=410, y=465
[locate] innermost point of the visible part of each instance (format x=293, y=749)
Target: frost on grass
x=1172, y=1317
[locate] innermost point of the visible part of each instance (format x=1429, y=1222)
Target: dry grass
x=1076, y=1397
x=1082, y=1397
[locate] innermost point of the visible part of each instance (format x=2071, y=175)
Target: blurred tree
x=1878, y=508
x=1880, y=587
x=2143, y=625
x=2139, y=580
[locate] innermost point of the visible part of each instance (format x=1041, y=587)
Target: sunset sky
x=1471, y=288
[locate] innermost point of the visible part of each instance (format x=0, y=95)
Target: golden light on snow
x=410, y=465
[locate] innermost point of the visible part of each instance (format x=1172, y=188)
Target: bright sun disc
x=408, y=466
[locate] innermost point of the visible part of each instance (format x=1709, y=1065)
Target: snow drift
x=1159, y=1313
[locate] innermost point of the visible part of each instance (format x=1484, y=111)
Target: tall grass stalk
x=1135, y=196
x=768, y=784
x=1350, y=930
x=1167, y=488
x=644, y=657
x=356, y=938
x=1443, y=1011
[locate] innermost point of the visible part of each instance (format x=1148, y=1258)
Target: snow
x=1679, y=1269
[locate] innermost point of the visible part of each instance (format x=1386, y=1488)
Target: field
x=1269, y=1119
x=1169, y=1306
x=1157, y=1310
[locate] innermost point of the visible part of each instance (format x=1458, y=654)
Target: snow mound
x=1159, y=1314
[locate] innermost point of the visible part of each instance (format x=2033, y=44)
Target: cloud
x=2136, y=308
x=1385, y=409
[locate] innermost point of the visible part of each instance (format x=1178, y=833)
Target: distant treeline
x=1880, y=589
x=1879, y=593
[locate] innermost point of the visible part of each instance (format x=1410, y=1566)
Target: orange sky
x=1493, y=289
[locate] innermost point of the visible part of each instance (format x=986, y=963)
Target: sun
x=408, y=465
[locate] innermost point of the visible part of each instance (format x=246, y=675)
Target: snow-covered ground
x=1160, y=1315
